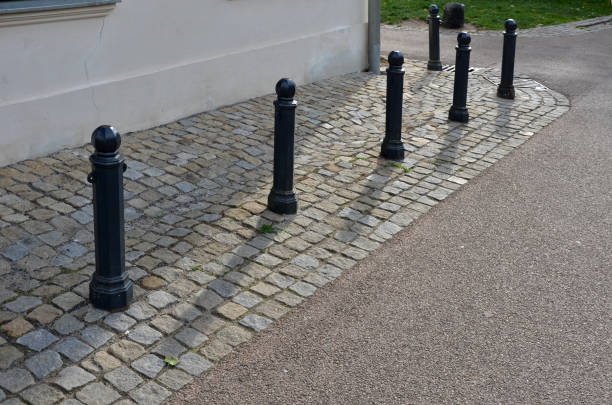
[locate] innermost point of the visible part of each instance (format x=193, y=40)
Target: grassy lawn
x=491, y=14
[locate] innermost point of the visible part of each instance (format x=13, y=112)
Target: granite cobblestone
x=207, y=274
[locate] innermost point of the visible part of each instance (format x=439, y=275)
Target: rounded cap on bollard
x=105, y=139
x=285, y=88
x=434, y=10
x=464, y=39
x=396, y=58
x=510, y=25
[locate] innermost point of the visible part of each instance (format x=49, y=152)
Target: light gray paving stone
x=306, y=262
x=141, y=311
x=303, y=289
x=256, y=322
x=161, y=299
x=97, y=394
x=42, y=394
x=247, y=299
x=43, y=364
x=2, y=395
x=186, y=312
x=119, y=321
x=268, y=260
x=73, y=348
x=37, y=340
x=170, y=348
x=166, y=323
x=194, y=364
x=144, y=335
x=279, y=280
x=6, y=294
x=73, y=250
x=15, y=379
x=71, y=401
x=150, y=394
x=94, y=315
x=68, y=324
x=23, y=304
x=149, y=365
x=13, y=401
x=289, y=299
x=191, y=337
x=73, y=377
x=175, y=379
x=329, y=271
x=8, y=355
x=224, y=288
x=95, y=336
x=123, y=378
x=67, y=301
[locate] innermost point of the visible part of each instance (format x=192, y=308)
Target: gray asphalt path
x=501, y=294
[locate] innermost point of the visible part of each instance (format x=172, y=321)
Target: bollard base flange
x=111, y=297
x=434, y=65
x=506, y=92
x=459, y=114
x=392, y=151
x=282, y=202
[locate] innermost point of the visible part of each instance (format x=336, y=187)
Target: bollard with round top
x=282, y=199
x=506, y=86
x=458, y=111
x=392, y=146
x=110, y=288
x=434, y=39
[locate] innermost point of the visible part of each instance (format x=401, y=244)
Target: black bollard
x=434, y=39
x=506, y=86
x=458, y=111
x=392, y=146
x=110, y=287
x=282, y=199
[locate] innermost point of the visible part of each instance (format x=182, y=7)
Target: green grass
x=491, y=14
x=399, y=166
x=266, y=229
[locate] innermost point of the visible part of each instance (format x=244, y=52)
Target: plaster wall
x=153, y=61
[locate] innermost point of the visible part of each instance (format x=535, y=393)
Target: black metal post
x=506, y=86
x=392, y=146
x=458, y=111
x=110, y=287
x=434, y=39
x=282, y=199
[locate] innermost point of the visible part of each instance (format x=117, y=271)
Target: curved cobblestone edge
x=571, y=28
x=208, y=275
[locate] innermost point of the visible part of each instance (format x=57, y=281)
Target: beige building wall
x=147, y=62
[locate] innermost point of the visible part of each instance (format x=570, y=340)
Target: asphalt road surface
x=500, y=294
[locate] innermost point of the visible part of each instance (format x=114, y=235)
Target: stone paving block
x=97, y=394
x=208, y=324
x=193, y=364
x=37, y=340
x=234, y=335
x=123, y=379
x=126, y=350
x=2, y=395
x=150, y=394
x=255, y=322
x=15, y=379
x=8, y=355
x=149, y=365
x=265, y=289
x=166, y=323
x=306, y=262
x=246, y=299
x=43, y=364
x=42, y=394
x=73, y=348
x=223, y=288
x=272, y=309
x=175, y=379
x=67, y=301
x=95, y=336
x=23, y=304
x=160, y=299
x=67, y=324
x=191, y=337
x=73, y=377
x=6, y=294
x=16, y=328
x=186, y=312
x=170, y=348
x=101, y=361
x=303, y=289
x=119, y=321
x=144, y=335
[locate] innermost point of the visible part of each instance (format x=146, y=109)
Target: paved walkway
x=208, y=274
x=500, y=294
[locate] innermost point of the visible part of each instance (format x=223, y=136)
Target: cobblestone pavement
x=211, y=265
x=571, y=28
